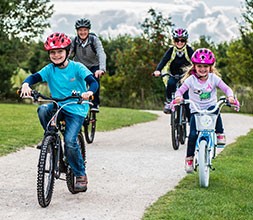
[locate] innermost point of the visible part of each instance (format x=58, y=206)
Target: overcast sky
x=214, y=18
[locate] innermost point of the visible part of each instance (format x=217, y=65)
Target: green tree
x=156, y=29
x=132, y=85
x=204, y=42
x=112, y=47
x=20, y=21
x=25, y=19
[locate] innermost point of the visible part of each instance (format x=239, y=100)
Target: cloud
x=123, y=17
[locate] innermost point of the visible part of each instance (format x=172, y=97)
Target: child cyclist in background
x=63, y=76
x=201, y=81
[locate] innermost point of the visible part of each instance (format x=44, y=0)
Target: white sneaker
x=221, y=139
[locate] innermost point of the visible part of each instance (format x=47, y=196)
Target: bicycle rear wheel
x=175, y=130
x=45, y=176
x=203, y=161
x=90, y=126
x=70, y=178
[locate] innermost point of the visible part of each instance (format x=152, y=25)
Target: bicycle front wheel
x=203, y=161
x=45, y=176
x=175, y=131
x=90, y=126
x=183, y=124
x=70, y=178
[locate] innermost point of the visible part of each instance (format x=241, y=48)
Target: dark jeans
x=193, y=135
x=73, y=126
x=96, y=100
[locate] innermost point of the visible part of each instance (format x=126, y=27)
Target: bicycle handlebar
x=222, y=101
x=35, y=95
x=177, y=76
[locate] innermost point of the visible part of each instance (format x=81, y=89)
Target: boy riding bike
x=64, y=76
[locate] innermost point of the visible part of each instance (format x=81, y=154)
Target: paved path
x=128, y=170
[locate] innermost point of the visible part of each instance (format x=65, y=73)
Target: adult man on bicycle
x=174, y=60
x=63, y=76
x=88, y=50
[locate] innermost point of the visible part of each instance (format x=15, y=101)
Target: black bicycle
x=89, y=125
x=52, y=160
x=178, y=121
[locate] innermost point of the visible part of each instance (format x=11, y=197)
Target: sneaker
x=81, y=183
x=221, y=139
x=189, y=165
x=95, y=108
x=166, y=108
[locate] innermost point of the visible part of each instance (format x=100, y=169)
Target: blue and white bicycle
x=206, y=144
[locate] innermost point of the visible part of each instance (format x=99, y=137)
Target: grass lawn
x=229, y=196
x=20, y=125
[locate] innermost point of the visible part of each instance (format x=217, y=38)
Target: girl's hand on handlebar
x=25, y=90
x=87, y=95
x=174, y=102
x=178, y=99
x=156, y=73
x=237, y=105
x=231, y=100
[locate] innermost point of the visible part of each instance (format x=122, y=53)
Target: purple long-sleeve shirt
x=204, y=93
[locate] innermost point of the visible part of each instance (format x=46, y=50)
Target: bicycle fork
x=208, y=136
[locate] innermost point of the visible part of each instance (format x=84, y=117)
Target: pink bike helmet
x=57, y=41
x=180, y=33
x=203, y=56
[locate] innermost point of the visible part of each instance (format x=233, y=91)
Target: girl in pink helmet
x=201, y=82
x=62, y=77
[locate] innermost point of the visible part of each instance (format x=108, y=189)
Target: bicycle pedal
x=220, y=146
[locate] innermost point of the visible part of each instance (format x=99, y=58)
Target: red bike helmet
x=57, y=41
x=203, y=56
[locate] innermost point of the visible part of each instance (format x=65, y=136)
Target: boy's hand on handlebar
x=25, y=90
x=156, y=73
x=87, y=95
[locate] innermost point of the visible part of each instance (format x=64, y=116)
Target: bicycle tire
x=70, y=178
x=90, y=127
x=203, y=161
x=175, y=129
x=45, y=175
x=183, y=129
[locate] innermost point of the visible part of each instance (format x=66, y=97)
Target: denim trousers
x=193, y=135
x=73, y=126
